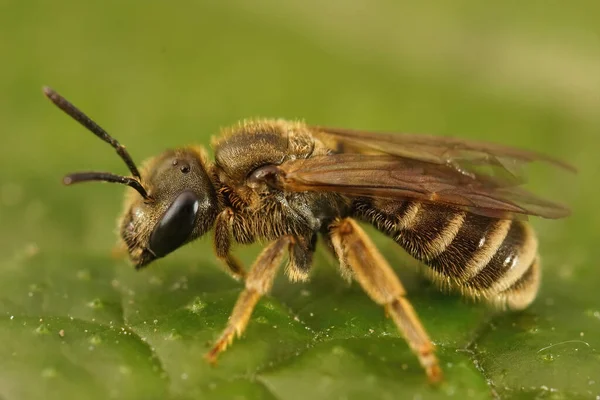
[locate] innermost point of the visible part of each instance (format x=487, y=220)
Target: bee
x=452, y=204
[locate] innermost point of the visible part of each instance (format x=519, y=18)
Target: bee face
x=174, y=201
x=181, y=206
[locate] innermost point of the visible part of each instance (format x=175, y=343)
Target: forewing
x=377, y=175
x=500, y=163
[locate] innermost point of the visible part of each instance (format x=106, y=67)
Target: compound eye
x=176, y=225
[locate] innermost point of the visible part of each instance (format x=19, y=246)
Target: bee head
x=180, y=205
x=173, y=202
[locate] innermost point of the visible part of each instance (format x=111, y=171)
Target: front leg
x=222, y=244
x=258, y=282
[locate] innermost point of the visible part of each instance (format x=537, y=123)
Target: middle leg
x=258, y=283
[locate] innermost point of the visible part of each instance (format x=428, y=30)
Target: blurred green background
x=76, y=323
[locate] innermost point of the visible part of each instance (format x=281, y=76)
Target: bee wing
x=478, y=159
x=377, y=175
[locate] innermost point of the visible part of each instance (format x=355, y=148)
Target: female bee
x=288, y=184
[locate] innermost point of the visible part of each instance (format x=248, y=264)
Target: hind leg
x=357, y=252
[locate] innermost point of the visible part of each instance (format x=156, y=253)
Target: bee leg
x=301, y=254
x=258, y=282
x=354, y=248
x=222, y=242
x=345, y=271
x=234, y=266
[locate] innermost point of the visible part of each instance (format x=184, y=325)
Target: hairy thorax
x=260, y=211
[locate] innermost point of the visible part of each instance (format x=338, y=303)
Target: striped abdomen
x=481, y=256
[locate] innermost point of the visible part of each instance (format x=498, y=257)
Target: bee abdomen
x=483, y=257
x=523, y=291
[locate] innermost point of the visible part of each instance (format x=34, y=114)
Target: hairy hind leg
x=357, y=252
x=258, y=282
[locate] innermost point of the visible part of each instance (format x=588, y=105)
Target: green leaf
x=77, y=323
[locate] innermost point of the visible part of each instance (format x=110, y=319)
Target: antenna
x=106, y=177
x=93, y=127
